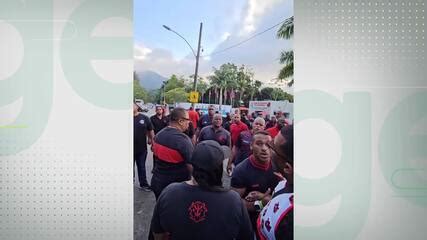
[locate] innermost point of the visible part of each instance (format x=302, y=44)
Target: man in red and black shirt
x=172, y=151
x=236, y=128
x=254, y=178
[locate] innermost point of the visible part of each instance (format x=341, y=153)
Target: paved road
x=144, y=202
x=143, y=205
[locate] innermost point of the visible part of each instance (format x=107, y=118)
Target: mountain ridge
x=150, y=80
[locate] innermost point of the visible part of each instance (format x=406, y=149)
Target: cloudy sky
x=225, y=23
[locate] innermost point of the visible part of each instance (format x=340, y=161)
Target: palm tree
x=254, y=88
x=244, y=77
x=223, y=78
x=286, y=31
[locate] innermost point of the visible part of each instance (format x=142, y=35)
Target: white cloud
x=225, y=36
x=256, y=9
x=140, y=52
x=261, y=54
x=164, y=63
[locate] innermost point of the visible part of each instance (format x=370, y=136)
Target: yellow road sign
x=194, y=97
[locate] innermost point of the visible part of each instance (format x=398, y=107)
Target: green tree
x=276, y=94
x=245, y=77
x=174, y=82
x=254, y=89
x=286, y=31
x=176, y=95
x=223, y=78
x=202, y=88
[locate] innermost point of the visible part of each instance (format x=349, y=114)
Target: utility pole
x=196, y=55
x=197, y=59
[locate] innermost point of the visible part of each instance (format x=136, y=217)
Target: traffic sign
x=193, y=97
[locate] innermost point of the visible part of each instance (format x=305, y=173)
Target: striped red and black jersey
x=172, y=150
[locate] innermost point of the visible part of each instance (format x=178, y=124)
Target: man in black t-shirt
x=172, y=151
x=201, y=208
x=255, y=174
x=142, y=128
x=159, y=120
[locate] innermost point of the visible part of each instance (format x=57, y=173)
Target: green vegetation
x=286, y=31
x=138, y=91
x=229, y=85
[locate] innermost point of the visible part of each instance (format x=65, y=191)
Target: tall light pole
x=196, y=55
x=197, y=59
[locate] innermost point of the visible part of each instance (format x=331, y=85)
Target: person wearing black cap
x=276, y=219
x=201, y=208
x=172, y=151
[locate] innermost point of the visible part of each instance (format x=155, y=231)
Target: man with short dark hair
x=271, y=122
x=159, y=120
x=191, y=132
x=227, y=121
x=201, y=208
x=276, y=222
x=254, y=178
x=236, y=128
x=242, y=149
x=172, y=151
x=199, y=111
x=142, y=129
x=216, y=132
x=206, y=119
x=276, y=128
x=194, y=117
x=246, y=121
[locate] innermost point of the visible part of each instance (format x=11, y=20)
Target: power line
x=248, y=39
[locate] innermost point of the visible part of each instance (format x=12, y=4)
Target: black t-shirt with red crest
x=190, y=212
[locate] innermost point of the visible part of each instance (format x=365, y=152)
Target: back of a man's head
x=177, y=114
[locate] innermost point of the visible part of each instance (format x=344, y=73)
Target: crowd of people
x=188, y=154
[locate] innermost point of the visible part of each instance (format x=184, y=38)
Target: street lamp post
x=197, y=59
x=196, y=55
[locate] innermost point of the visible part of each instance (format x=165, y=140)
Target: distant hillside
x=150, y=80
